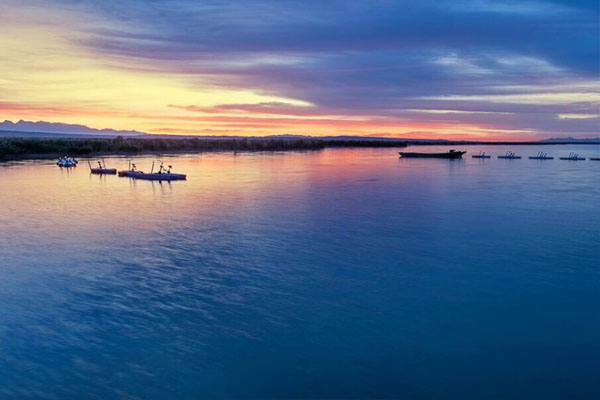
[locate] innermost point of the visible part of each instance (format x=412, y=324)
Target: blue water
x=342, y=273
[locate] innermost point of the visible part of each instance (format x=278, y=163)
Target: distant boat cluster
x=453, y=154
x=163, y=173
x=67, y=162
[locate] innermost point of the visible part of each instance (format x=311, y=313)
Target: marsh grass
x=15, y=148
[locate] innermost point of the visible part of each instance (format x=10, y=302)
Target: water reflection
x=335, y=273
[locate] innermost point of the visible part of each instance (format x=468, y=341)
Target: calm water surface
x=342, y=273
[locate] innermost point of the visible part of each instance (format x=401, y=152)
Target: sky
x=460, y=69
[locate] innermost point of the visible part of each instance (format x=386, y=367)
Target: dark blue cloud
x=564, y=33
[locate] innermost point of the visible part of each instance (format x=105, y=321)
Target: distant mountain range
x=60, y=128
x=23, y=128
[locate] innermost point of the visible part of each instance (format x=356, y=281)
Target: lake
x=340, y=273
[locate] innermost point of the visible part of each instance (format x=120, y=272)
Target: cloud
x=512, y=65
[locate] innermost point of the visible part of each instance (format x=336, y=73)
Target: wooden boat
x=481, y=155
x=541, y=156
x=510, y=156
x=451, y=154
x=573, y=157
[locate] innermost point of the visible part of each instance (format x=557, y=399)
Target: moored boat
x=541, y=156
x=131, y=170
x=104, y=171
x=66, y=162
x=510, y=156
x=163, y=174
x=573, y=157
x=450, y=154
x=101, y=169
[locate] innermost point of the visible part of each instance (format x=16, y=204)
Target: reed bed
x=18, y=148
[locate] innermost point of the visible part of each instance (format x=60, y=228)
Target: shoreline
x=13, y=149
x=24, y=148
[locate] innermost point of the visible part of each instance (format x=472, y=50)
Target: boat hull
x=510, y=157
x=126, y=173
x=541, y=158
x=450, y=155
x=104, y=171
x=476, y=156
x=573, y=158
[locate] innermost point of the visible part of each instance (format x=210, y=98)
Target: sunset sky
x=461, y=69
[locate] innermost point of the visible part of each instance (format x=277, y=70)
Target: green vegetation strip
x=16, y=148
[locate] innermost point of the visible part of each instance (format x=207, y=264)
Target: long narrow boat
x=163, y=174
x=103, y=171
x=510, y=156
x=130, y=171
x=541, y=156
x=481, y=155
x=573, y=157
x=594, y=158
x=452, y=154
x=158, y=176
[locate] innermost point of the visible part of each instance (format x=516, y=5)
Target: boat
x=104, y=171
x=594, y=158
x=541, y=156
x=163, y=174
x=131, y=170
x=452, y=154
x=573, y=157
x=101, y=169
x=481, y=155
x=510, y=156
x=66, y=162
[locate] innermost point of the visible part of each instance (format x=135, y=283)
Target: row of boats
x=162, y=174
x=539, y=156
x=453, y=154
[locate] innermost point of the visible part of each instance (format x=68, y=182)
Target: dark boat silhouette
x=101, y=169
x=104, y=171
x=573, y=157
x=449, y=154
x=541, y=156
x=510, y=156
